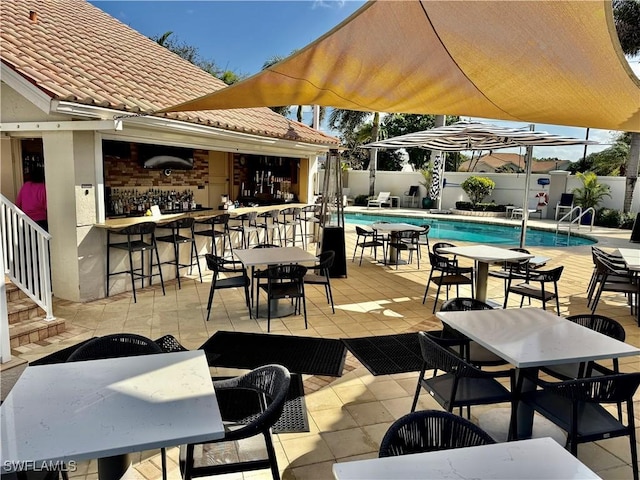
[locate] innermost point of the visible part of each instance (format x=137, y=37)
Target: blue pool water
x=476, y=232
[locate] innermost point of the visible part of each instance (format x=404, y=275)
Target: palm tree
x=626, y=15
x=346, y=121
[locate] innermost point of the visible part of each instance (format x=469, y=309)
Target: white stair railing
x=25, y=251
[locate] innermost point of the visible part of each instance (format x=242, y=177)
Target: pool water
x=476, y=232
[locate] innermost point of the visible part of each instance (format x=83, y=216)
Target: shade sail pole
x=528, y=160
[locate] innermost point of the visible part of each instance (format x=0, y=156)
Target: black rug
x=387, y=354
x=308, y=355
x=242, y=405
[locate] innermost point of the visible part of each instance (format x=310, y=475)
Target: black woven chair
x=226, y=267
x=115, y=346
x=430, y=431
x=319, y=274
x=577, y=407
x=368, y=239
x=271, y=385
x=475, y=353
x=449, y=274
x=542, y=293
x=170, y=344
x=176, y=239
x=285, y=281
x=463, y=384
x=405, y=241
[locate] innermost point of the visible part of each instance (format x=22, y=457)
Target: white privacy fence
x=25, y=254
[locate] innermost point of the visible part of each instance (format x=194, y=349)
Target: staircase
x=27, y=322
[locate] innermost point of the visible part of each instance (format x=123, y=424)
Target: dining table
x=485, y=255
x=256, y=257
x=392, y=228
x=540, y=458
x=529, y=338
x=62, y=413
x=631, y=257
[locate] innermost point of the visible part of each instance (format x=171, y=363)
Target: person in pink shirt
x=32, y=199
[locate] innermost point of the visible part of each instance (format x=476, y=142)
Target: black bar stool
x=218, y=227
x=289, y=218
x=246, y=227
x=176, y=240
x=263, y=223
x=136, y=245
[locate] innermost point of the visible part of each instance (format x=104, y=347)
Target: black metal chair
x=615, y=278
x=176, y=239
x=259, y=275
x=404, y=241
x=423, y=238
x=285, y=281
x=266, y=221
x=310, y=217
x=430, y=431
x=450, y=274
x=245, y=226
x=115, y=346
x=271, y=385
x=542, y=293
x=136, y=245
x=475, y=353
x=220, y=265
x=289, y=219
x=515, y=269
x=368, y=239
x=217, y=227
x=577, y=407
x=319, y=274
x=462, y=384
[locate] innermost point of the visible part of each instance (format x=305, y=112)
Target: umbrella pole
x=528, y=158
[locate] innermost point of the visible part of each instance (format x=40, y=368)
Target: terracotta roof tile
x=77, y=52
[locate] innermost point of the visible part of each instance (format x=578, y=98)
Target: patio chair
x=285, y=281
x=532, y=209
x=450, y=274
x=564, y=205
x=368, y=239
x=577, y=407
x=411, y=196
x=405, y=240
x=613, y=277
x=319, y=274
x=382, y=200
x=462, y=384
x=270, y=383
x=220, y=265
x=541, y=293
x=429, y=431
x=513, y=269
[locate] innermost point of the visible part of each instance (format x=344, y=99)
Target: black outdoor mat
x=242, y=405
x=387, y=354
x=60, y=356
x=308, y=355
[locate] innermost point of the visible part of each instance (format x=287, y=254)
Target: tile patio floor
x=348, y=415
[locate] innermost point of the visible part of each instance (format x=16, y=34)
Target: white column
x=5, y=343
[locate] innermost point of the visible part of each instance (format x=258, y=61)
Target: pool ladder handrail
x=581, y=213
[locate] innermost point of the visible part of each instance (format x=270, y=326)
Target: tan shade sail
x=554, y=62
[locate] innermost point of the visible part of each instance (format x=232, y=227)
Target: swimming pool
x=475, y=231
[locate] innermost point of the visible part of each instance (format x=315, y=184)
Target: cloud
x=328, y=3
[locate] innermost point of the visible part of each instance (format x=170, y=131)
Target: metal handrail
x=577, y=220
x=26, y=255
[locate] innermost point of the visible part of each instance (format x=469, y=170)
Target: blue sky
x=241, y=35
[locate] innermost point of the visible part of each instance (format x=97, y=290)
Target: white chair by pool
x=382, y=200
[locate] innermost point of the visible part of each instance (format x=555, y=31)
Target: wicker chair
x=319, y=274
x=576, y=406
x=170, y=344
x=429, y=431
x=221, y=265
x=462, y=385
x=271, y=384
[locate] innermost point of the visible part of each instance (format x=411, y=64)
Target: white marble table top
x=395, y=227
x=532, y=337
x=540, y=458
x=487, y=253
x=273, y=256
x=100, y=408
x=631, y=257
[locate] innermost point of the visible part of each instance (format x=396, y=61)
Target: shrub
x=480, y=207
x=607, y=217
x=361, y=200
x=477, y=188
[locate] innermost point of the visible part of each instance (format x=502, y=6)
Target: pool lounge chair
x=382, y=200
x=532, y=209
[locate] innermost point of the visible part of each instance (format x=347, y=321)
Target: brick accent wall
x=128, y=172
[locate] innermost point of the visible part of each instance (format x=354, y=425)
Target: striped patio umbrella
x=469, y=136
x=436, y=178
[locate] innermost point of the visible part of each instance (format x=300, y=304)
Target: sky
x=241, y=35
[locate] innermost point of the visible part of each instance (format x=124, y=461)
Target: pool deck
x=347, y=415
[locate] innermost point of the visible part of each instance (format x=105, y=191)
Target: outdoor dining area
x=368, y=372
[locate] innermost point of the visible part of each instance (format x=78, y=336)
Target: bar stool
x=310, y=217
x=262, y=222
x=132, y=245
x=246, y=227
x=176, y=240
x=218, y=228
x=289, y=217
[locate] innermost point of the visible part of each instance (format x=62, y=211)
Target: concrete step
x=22, y=309
x=34, y=330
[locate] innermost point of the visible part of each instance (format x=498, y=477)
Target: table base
x=496, y=423
x=278, y=309
x=113, y=468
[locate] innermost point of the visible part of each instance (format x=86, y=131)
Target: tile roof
x=76, y=52
x=496, y=160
